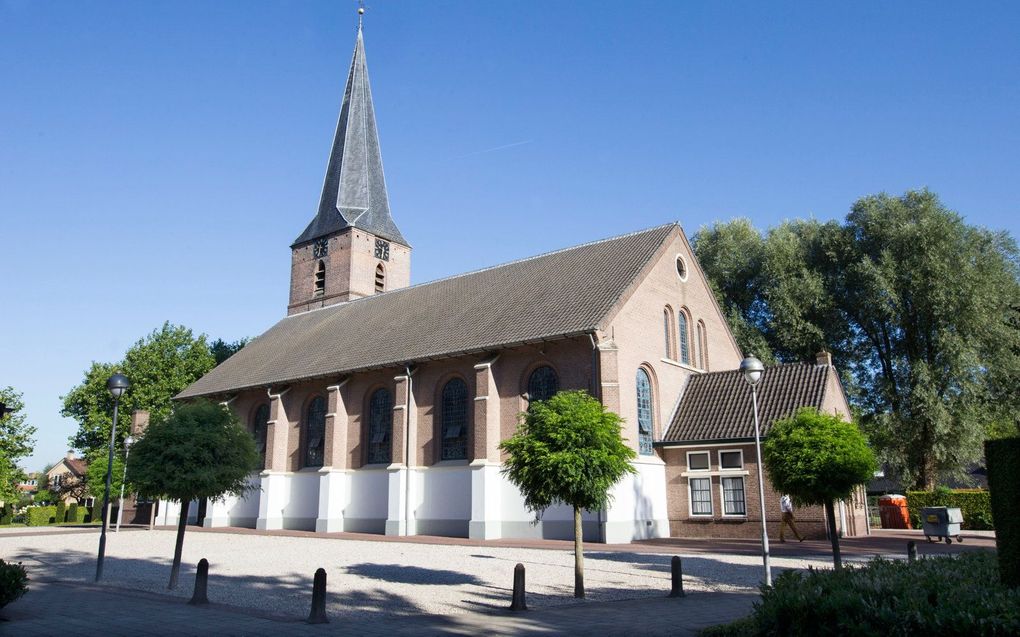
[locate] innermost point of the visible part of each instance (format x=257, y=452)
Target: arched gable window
x=702, y=346
x=380, y=427
x=685, y=349
x=644, y=412
x=380, y=278
x=542, y=384
x=667, y=326
x=320, y=278
x=455, y=420
x=315, y=432
x=259, y=427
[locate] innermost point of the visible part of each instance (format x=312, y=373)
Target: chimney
x=139, y=421
x=823, y=358
x=70, y=454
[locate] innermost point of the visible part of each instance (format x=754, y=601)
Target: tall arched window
x=702, y=346
x=667, y=326
x=455, y=420
x=315, y=432
x=644, y=412
x=380, y=427
x=259, y=426
x=542, y=384
x=685, y=350
x=380, y=278
x=320, y=278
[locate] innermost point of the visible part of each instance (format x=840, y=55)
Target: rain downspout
x=596, y=391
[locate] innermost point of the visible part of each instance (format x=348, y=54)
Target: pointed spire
x=354, y=190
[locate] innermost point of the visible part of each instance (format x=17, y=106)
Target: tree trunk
x=578, y=554
x=179, y=548
x=830, y=515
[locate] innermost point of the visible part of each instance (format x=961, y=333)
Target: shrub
x=1003, y=457
x=40, y=516
x=975, y=505
x=97, y=513
x=13, y=582
x=76, y=513
x=7, y=513
x=944, y=595
x=61, y=512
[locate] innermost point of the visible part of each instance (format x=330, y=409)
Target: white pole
x=761, y=490
x=123, y=477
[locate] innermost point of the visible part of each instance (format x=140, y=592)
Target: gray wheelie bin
x=942, y=523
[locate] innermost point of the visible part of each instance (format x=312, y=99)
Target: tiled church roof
x=717, y=405
x=563, y=293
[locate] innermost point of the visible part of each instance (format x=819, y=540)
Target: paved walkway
x=52, y=608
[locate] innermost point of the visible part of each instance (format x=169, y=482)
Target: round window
x=681, y=268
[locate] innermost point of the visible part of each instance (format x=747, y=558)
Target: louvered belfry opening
x=320, y=279
x=380, y=279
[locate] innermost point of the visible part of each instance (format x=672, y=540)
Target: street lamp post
x=123, y=478
x=117, y=384
x=752, y=370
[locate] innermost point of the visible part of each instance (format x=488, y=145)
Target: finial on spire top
x=361, y=11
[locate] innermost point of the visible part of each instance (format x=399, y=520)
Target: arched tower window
x=542, y=384
x=315, y=432
x=455, y=420
x=320, y=278
x=380, y=279
x=259, y=427
x=667, y=326
x=380, y=427
x=685, y=348
x=644, y=412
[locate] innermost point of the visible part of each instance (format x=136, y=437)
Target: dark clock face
x=321, y=248
x=382, y=249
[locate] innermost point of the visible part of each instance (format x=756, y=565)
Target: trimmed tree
x=1003, y=457
x=818, y=458
x=200, y=451
x=567, y=450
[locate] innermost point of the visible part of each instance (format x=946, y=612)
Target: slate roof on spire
x=354, y=189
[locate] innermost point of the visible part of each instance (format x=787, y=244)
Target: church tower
x=352, y=248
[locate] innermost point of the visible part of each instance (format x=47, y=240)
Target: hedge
x=942, y=595
x=975, y=505
x=76, y=513
x=61, y=513
x=7, y=513
x=40, y=516
x=97, y=513
x=1003, y=459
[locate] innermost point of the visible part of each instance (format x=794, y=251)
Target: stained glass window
x=380, y=427
x=542, y=384
x=315, y=432
x=644, y=413
x=260, y=425
x=454, y=431
x=685, y=352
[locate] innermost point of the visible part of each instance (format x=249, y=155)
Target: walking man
x=786, y=506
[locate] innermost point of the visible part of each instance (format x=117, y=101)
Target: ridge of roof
x=505, y=264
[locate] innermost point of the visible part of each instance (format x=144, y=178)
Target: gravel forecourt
x=274, y=573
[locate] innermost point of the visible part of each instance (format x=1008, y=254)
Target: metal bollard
x=678, y=577
x=911, y=551
x=518, y=602
x=201, y=584
x=318, y=613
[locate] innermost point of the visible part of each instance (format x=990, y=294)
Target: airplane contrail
x=494, y=149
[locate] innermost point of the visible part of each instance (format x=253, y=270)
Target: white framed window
x=731, y=459
x=700, y=496
x=733, y=499
x=698, y=461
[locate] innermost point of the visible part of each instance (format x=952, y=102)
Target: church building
x=378, y=405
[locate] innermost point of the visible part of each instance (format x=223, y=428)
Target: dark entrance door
x=200, y=521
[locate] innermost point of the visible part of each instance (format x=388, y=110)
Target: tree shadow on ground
x=410, y=574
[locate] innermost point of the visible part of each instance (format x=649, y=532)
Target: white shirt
x=786, y=504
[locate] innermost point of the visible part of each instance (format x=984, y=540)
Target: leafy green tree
x=918, y=308
x=16, y=441
x=567, y=450
x=222, y=350
x=96, y=476
x=199, y=451
x=43, y=496
x=818, y=458
x=159, y=367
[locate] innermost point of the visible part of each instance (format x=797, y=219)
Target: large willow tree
x=919, y=308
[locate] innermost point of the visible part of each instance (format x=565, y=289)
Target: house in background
x=67, y=478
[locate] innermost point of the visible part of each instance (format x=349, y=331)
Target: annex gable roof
x=717, y=405
x=559, y=294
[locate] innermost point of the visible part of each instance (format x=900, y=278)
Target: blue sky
x=157, y=158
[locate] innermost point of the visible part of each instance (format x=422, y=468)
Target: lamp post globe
x=752, y=369
x=117, y=385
